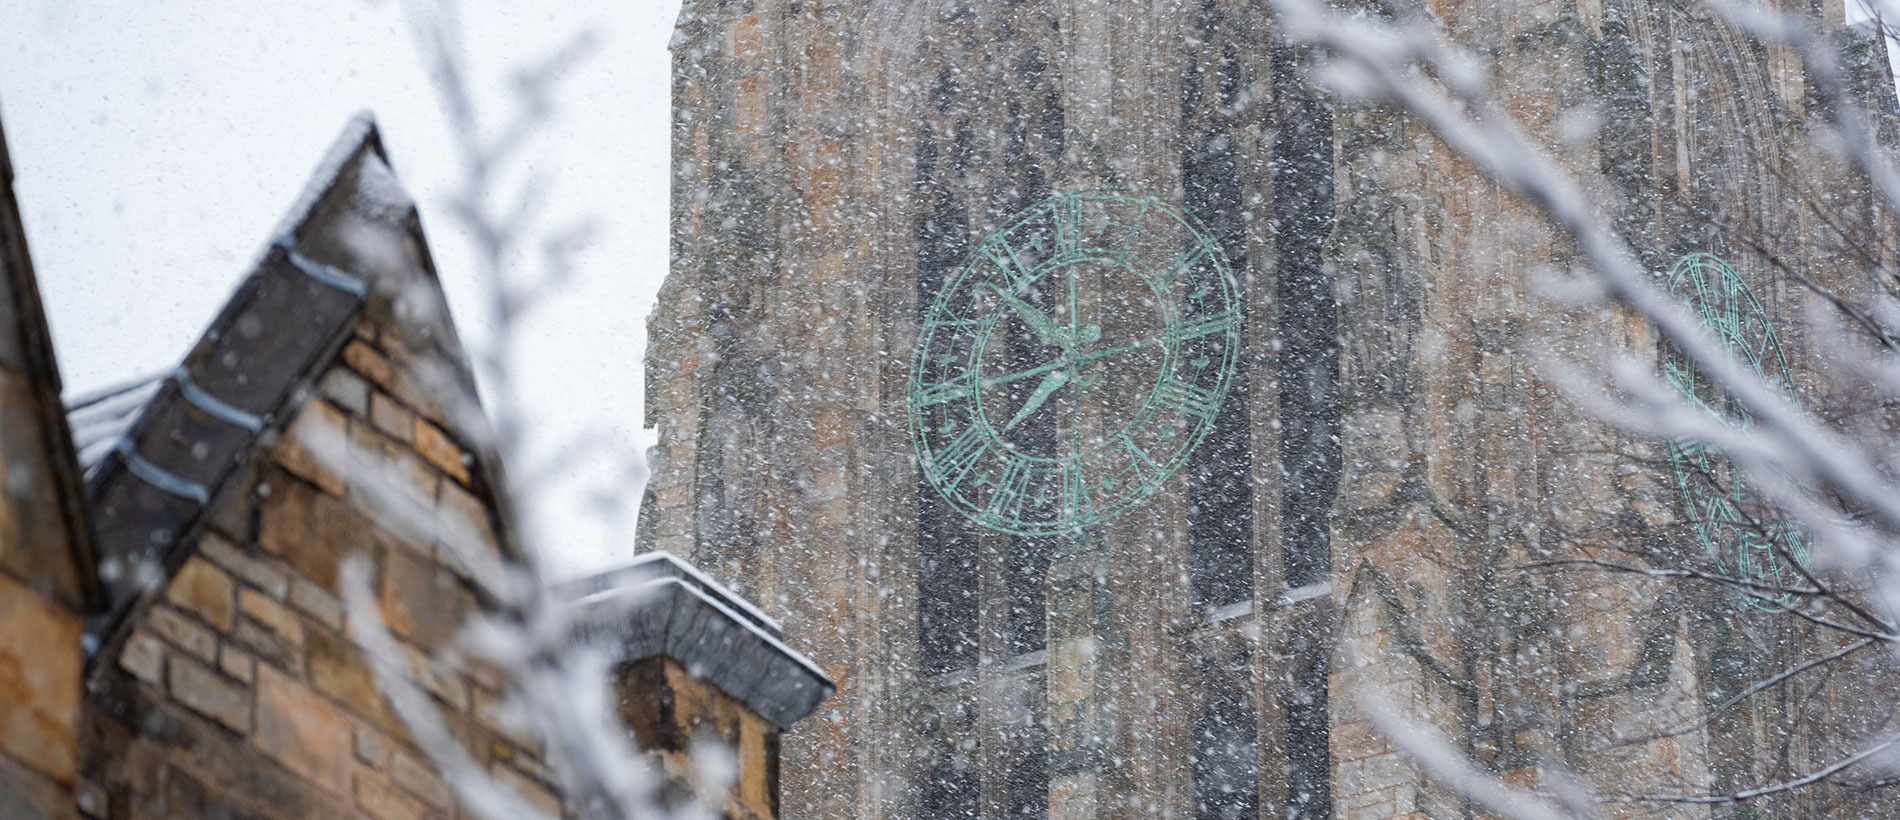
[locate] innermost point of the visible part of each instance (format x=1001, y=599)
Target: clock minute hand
x=1050, y=384
x=1038, y=321
x=1085, y=357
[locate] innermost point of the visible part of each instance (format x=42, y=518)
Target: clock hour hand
x=1038, y=321
x=1050, y=384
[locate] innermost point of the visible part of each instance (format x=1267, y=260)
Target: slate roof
x=154, y=466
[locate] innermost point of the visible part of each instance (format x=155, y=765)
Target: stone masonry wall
x=673, y=716
x=1462, y=461
x=827, y=159
x=45, y=549
x=238, y=691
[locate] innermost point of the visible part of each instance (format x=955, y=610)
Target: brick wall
x=228, y=683
x=238, y=689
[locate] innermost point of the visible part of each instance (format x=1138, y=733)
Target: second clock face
x=1743, y=533
x=1071, y=365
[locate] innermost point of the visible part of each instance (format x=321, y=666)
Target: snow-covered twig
x=560, y=687
x=1841, y=490
x=1447, y=765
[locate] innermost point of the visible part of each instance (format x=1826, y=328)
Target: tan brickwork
x=672, y=714
x=47, y=578
x=254, y=643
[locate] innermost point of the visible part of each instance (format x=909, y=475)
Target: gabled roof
x=49, y=546
x=158, y=452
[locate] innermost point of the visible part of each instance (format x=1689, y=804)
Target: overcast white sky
x=158, y=143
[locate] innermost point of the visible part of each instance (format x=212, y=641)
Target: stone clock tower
x=1117, y=414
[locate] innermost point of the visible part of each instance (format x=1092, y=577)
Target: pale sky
x=158, y=143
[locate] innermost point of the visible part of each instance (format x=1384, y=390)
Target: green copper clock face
x=1071, y=365
x=1742, y=533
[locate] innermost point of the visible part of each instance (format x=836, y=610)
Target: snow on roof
x=360, y=128
x=659, y=604
x=658, y=564
x=99, y=420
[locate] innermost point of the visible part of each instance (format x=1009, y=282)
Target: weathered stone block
x=303, y=731
x=182, y=632
x=313, y=448
x=382, y=801
x=247, y=568
x=536, y=794
x=39, y=681
x=465, y=520
x=313, y=531
x=339, y=670
x=1386, y=771
x=392, y=419
x=368, y=361
x=209, y=694
x=415, y=479
x=237, y=663
x=347, y=390
x=201, y=588
x=442, y=451
x=421, y=601
x=436, y=679
x=270, y=629
x=420, y=780
x=493, y=713
x=143, y=656
x=372, y=750
x=317, y=602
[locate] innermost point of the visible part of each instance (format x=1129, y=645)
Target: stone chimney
x=703, y=677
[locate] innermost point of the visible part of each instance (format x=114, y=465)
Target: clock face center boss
x=1073, y=362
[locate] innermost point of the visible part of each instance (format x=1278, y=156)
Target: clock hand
x=1037, y=320
x=1050, y=384
x=1061, y=363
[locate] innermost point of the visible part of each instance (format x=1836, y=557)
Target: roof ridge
x=292, y=313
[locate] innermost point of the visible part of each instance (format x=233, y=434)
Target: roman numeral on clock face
x=1010, y=487
x=1075, y=491
x=1181, y=264
x=1004, y=257
x=1143, y=463
x=934, y=394
x=954, y=461
x=1203, y=326
x=1069, y=226
x=1186, y=398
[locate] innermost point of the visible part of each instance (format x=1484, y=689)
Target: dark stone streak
x=1219, y=473
x=1309, y=408
x=946, y=542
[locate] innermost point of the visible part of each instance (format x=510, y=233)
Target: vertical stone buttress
x=46, y=569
